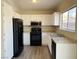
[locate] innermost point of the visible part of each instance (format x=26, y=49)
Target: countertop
x=61, y=39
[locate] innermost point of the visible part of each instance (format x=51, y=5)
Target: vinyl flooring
x=35, y=52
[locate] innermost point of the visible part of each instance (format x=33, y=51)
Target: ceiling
x=23, y=6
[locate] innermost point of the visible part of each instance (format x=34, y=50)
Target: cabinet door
x=55, y=18
x=26, y=38
x=45, y=38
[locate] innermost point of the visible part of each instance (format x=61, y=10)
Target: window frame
x=61, y=21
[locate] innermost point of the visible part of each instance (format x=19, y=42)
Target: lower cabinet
x=26, y=38
x=46, y=40
x=64, y=50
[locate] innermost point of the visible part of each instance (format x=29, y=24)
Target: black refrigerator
x=17, y=36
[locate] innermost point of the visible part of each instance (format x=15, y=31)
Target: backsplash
x=44, y=28
x=70, y=35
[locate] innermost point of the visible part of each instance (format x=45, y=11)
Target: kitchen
x=60, y=41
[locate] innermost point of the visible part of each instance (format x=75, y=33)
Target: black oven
x=35, y=34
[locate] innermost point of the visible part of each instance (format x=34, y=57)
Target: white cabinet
x=55, y=18
x=65, y=48
x=46, y=40
x=26, y=38
x=66, y=51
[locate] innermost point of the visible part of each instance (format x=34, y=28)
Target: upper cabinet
x=55, y=18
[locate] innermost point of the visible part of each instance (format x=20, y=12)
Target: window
x=72, y=19
x=65, y=18
x=68, y=20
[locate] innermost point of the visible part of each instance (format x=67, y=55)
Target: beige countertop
x=61, y=39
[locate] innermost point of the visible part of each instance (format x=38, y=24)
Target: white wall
x=46, y=19
x=7, y=14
